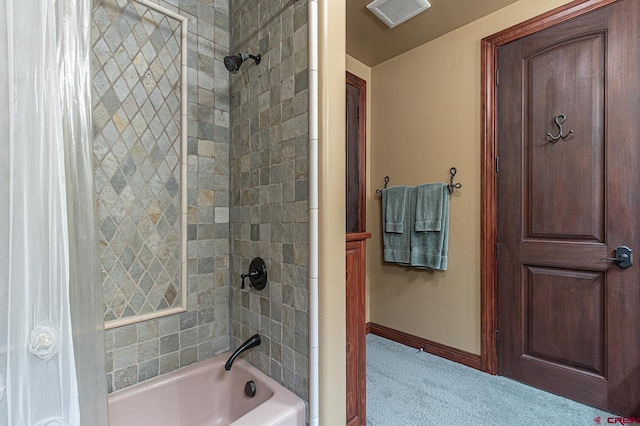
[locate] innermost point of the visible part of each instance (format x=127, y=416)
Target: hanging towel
x=397, y=245
x=429, y=207
x=394, y=208
x=429, y=248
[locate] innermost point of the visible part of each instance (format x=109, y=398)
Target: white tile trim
x=314, y=351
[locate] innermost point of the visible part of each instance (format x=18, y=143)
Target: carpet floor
x=408, y=387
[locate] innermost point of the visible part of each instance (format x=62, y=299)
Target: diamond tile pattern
x=136, y=104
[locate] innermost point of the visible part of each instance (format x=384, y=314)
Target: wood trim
x=488, y=212
x=361, y=85
x=553, y=17
x=489, y=196
x=358, y=236
x=438, y=349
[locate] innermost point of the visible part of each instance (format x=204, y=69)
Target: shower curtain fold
x=51, y=338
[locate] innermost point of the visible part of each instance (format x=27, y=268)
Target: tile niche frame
x=120, y=322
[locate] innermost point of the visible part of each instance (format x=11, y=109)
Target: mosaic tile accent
x=136, y=104
x=144, y=350
x=269, y=186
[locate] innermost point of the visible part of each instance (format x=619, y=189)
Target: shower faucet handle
x=251, y=274
x=257, y=274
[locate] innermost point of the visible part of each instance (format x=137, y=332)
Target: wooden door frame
x=488, y=164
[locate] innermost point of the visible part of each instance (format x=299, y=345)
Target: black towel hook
x=452, y=186
x=386, y=182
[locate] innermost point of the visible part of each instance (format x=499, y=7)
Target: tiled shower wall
x=140, y=351
x=269, y=185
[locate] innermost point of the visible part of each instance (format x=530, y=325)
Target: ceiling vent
x=395, y=12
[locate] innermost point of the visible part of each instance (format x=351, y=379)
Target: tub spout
x=250, y=343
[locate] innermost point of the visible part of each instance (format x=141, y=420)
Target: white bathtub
x=204, y=394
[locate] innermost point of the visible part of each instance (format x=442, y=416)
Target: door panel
x=552, y=336
x=577, y=161
x=356, y=333
x=569, y=321
x=355, y=153
x=353, y=184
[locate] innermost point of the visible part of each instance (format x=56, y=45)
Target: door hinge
x=497, y=250
x=497, y=338
x=358, y=112
x=358, y=177
x=497, y=164
x=497, y=77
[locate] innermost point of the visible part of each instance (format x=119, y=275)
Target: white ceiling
x=371, y=42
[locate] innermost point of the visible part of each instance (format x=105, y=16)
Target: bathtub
x=204, y=394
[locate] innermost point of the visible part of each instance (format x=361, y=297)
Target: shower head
x=233, y=62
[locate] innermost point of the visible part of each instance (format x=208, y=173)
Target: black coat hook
x=559, y=120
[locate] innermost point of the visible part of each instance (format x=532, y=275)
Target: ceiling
x=371, y=42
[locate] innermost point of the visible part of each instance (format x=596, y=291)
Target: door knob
x=624, y=257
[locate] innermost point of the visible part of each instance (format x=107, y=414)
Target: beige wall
x=359, y=69
x=425, y=119
x=331, y=174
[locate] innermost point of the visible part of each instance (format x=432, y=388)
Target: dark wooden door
x=569, y=322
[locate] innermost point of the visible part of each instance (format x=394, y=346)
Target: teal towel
x=429, y=207
x=394, y=208
x=397, y=246
x=429, y=248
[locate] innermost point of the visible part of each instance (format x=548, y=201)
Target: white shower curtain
x=49, y=285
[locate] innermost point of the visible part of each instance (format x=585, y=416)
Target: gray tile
x=288, y=253
x=125, y=336
x=169, y=325
x=125, y=377
x=137, y=301
x=148, y=369
x=170, y=343
x=188, y=320
x=118, y=181
x=255, y=232
x=302, y=190
x=108, y=228
x=188, y=356
x=205, y=265
x=125, y=357
x=127, y=257
x=169, y=362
